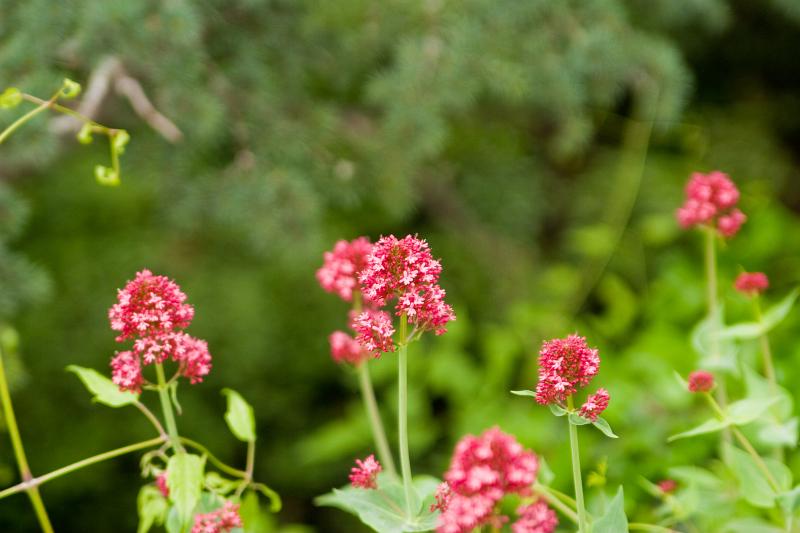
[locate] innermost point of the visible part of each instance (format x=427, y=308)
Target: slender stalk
x=371, y=405
x=766, y=351
x=152, y=418
x=402, y=416
x=712, y=294
x=166, y=407
x=212, y=458
x=35, y=482
x=636, y=526
x=19, y=451
x=63, y=109
x=576, y=472
x=550, y=496
x=23, y=119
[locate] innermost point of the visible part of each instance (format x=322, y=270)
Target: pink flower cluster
x=339, y=272
x=375, y=331
x=751, y=283
x=595, y=404
x=535, y=518
x=483, y=470
x=711, y=200
x=402, y=270
x=701, y=381
x=365, y=474
x=152, y=311
x=223, y=520
x=346, y=349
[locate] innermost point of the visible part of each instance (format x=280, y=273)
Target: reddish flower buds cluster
x=482, y=471
x=223, y=520
x=152, y=311
x=535, y=518
x=595, y=404
x=339, y=272
x=751, y=283
x=711, y=200
x=701, y=381
x=365, y=474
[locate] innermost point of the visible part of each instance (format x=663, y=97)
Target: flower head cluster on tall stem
x=536, y=517
x=223, y=520
x=339, y=272
x=751, y=283
x=711, y=201
x=404, y=272
x=482, y=471
x=152, y=310
x=701, y=381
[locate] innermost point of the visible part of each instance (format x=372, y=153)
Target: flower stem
x=402, y=416
x=212, y=458
x=636, y=526
x=19, y=451
x=166, y=407
x=35, y=482
x=6, y=133
x=712, y=295
x=576, y=471
x=766, y=351
x=550, y=495
x=378, y=433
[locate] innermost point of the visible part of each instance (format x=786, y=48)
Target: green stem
x=766, y=351
x=66, y=110
x=712, y=297
x=23, y=119
x=576, y=471
x=636, y=526
x=216, y=462
x=166, y=407
x=152, y=418
x=550, y=495
x=19, y=451
x=402, y=416
x=35, y=482
x=378, y=432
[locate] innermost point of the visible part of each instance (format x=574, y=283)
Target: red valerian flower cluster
x=668, y=486
x=535, y=518
x=711, y=200
x=152, y=311
x=339, y=272
x=564, y=366
x=595, y=404
x=483, y=470
x=375, y=331
x=751, y=283
x=346, y=349
x=223, y=520
x=365, y=474
x=701, y=381
x=402, y=270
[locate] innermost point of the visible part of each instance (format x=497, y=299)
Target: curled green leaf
x=70, y=89
x=106, y=176
x=119, y=140
x=85, y=134
x=11, y=97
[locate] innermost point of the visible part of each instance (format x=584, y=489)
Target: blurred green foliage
x=512, y=135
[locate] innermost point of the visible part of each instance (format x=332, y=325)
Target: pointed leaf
x=524, y=393
x=185, y=483
x=240, y=417
x=602, y=424
x=753, y=484
x=742, y=330
x=557, y=409
x=745, y=411
x=577, y=420
x=709, y=426
x=775, y=314
x=103, y=389
x=614, y=520
x=152, y=507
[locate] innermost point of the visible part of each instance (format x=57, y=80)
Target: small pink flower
x=149, y=305
x=365, y=474
x=161, y=483
x=339, y=272
x=442, y=496
x=193, y=356
x=751, y=283
x=595, y=404
x=465, y=513
x=711, y=200
x=564, y=366
x=375, y=331
x=701, y=381
x=346, y=349
x=535, y=518
x=223, y=520
x=667, y=486
x=126, y=372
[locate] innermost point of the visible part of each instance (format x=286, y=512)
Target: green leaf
x=750, y=525
x=693, y=475
x=725, y=360
x=557, y=409
x=274, y=498
x=709, y=426
x=545, y=475
x=220, y=485
x=11, y=97
x=254, y=519
x=753, y=484
x=524, y=393
x=745, y=411
x=106, y=176
x=70, y=89
x=777, y=434
x=759, y=387
x=120, y=140
x=103, y=389
x=240, y=417
x=775, y=314
x=152, y=507
x=742, y=330
x=614, y=519
x=185, y=483
x=790, y=500
x=384, y=509
x=173, y=523
x=602, y=424
x=85, y=134
x=577, y=420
